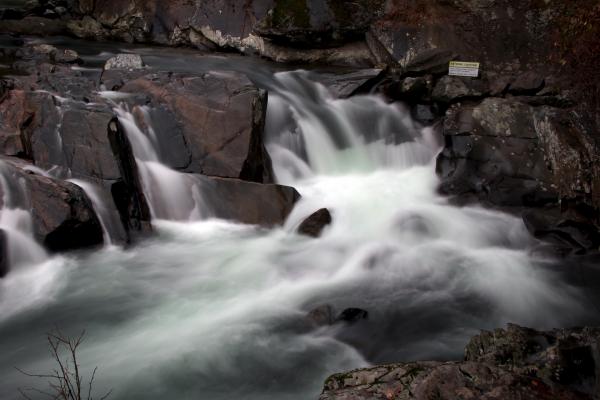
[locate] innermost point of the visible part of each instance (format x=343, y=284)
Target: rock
x=127, y=192
x=516, y=363
x=314, y=224
x=411, y=89
x=63, y=216
x=210, y=123
x=450, y=89
x=443, y=381
x=320, y=316
x=66, y=56
x=348, y=84
x=248, y=202
x=492, y=151
x=125, y=61
x=312, y=24
x=527, y=83
x=4, y=261
x=352, y=315
x=37, y=26
x=563, y=356
x=14, y=113
x=433, y=61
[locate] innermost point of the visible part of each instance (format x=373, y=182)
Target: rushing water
x=215, y=310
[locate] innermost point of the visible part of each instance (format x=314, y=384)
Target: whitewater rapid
x=216, y=310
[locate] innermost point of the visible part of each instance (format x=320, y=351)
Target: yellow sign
x=463, y=68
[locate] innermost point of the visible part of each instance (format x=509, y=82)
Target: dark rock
x=424, y=113
x=4, y=261
x=443, y=381
x=248, y=202
x=306, y=23
x=434, y=61
x=314, y=224
x=37, y=26
x=411, y=89
x=63, y=216
x=563, y=356
x=516, y=363
x=492, y=151
x=527, y=83
x=450, y=89
x=127, y=192
x=320, y=316
x=214, y=123
x=352, y=315
x=15, y=115
x=349, y=84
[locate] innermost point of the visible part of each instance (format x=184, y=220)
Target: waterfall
x=101, y=209
x=171, y=195
x=15, y=220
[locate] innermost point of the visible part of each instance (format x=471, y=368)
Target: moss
x=291, y=13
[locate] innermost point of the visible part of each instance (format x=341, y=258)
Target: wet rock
x=63, y=216
x=127, y=192
x=210, y=124
x=516, y=363
x=248, y=202
x=125, y=61
x=15, y=114
x=320, y=316
x=314, y=224
x=37, y=26
x=352, y=315
x=4, y=262
x=348, y=84
x=433, y=61
x=411, y=89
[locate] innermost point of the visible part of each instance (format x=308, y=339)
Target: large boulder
x=511, y=364
x=248, y=202
x=62, y=214
x=210, y=123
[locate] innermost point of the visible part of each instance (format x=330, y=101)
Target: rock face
x=314, y=224
x=516, y=363
x=214, y=123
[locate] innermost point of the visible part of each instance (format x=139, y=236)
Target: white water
x=215, y=310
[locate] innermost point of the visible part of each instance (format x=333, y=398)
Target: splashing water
x=218, y=310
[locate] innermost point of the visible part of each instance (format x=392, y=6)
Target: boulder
x=314, y=224
x=63, y=216
x=210, y=123
x=450, y=89
x=344, y=85
x=252, y=203
x=516, y=363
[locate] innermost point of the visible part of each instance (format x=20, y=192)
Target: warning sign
x=462, y=68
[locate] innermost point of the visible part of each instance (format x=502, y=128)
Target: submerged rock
x=314, y=224
x=352, y=315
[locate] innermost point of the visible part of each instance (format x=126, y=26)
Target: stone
x=210, y=123
x=516, y=363
x=352, y=315
x=63, y=216
x=124, y=61
x=345, y=85
x=527, y=83
x=314, y=224
x=266, y=205
x=450, y=89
